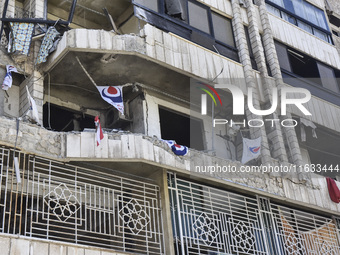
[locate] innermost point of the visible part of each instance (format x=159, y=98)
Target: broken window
x=180, y=127
x=61, y=119
x=298, y=69
x=320, y=146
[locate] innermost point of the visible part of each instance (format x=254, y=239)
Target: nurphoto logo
x=238, y=98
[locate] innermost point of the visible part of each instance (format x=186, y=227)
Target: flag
x=170, y=143
x=33, y=107
x=99, y=131
x=251, y=149
x=8, y=77
x=113, y=95
x=178, y=150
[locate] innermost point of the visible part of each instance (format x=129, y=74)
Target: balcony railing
x=62, y=202
x=208, y=220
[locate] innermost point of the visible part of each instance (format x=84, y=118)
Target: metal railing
x=63, y=202
x=208, y=220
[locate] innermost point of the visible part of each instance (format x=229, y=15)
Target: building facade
x=61, y=193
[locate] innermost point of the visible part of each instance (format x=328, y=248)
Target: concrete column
x=241, y=44
x=274, y=134
x=270, y=51
x=161, y=179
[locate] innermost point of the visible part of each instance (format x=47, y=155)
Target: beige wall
x=13, y=245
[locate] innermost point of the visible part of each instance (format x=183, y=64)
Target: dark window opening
x=304, y=66
x=335, y=20
x=62, y=119
x=300, y=70
x=322, y=150
x=181, y=128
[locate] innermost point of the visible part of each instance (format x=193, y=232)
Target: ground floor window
x=68, y=203
x=207, y=220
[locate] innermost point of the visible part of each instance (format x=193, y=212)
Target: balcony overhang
x=168, y=58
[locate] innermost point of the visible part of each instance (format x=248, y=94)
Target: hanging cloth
x=333, y=190
x=47, y=44
x=20, y=38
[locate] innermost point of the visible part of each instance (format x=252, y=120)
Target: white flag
x=7, y=83
x=113, y=95
x=251, y=149
x=33, y=107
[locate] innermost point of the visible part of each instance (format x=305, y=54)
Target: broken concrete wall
x=32, y=138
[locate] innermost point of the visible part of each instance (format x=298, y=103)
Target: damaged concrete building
x=61, y=193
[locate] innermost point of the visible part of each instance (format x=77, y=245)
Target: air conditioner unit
x=115, y=119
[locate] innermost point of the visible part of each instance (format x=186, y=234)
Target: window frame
x=189, y=28
x=298, y=18
x=316, y=89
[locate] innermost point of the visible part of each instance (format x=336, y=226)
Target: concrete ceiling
x=123, y=69
x=92, y=10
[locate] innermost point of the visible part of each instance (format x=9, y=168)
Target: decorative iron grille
x=68, y=203
x=300, y=232
x=208, y=220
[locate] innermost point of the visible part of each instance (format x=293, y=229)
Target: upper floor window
x=301, y=70
x=193, y=21
x=302, y=14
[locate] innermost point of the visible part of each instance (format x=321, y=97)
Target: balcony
x=139, y=154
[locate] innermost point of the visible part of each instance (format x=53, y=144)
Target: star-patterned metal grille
x=62, y=202
x=243, y=237
x=205, y=229
x=134, y=216
x=293, y=245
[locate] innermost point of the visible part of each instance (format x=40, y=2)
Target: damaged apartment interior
x=105, y=147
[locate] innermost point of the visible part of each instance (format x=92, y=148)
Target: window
x=209, y=220
x=321, y=150
x=191, y=20
x=223, y=30
x=300, y=70
x=198, y=17
x=302, y=14
x=78, y=205
x=66, y=120
x=181, y=128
